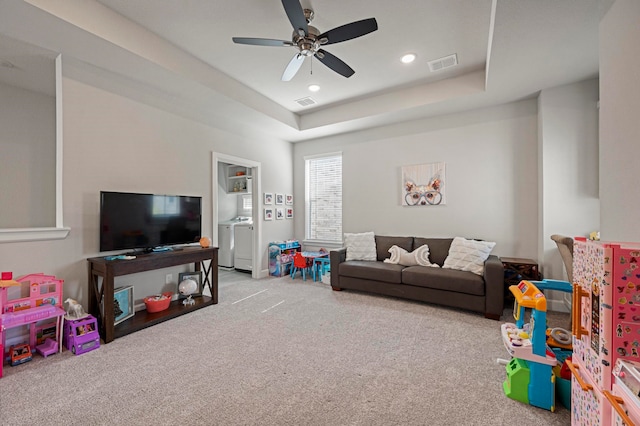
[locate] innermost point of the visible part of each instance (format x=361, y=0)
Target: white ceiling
x=204, y=29
x=27, y=66
x=507, y=50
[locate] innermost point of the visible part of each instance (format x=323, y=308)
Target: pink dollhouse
x=33, y=302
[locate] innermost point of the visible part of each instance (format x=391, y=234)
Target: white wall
x=27, y=158
x=490, y=182
x=569, y=203
x=620, y=122
x=227, y=202
x=114, y=143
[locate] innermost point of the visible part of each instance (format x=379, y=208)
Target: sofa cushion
x=444, y=279
x=383, y=244
x=468, y=255
x=419, y=256
x=375, y=271
x=438, y=248
x=360, y=246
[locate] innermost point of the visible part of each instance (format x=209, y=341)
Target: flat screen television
x=143, y=222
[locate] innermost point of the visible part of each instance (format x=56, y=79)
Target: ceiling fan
x=309, y=41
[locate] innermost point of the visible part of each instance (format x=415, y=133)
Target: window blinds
x=324, y=198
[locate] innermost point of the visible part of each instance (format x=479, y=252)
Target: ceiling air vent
x=305, y=102
x=442, y=63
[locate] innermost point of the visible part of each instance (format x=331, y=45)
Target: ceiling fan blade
x=261, y=41
x=349, y=31
x=334, y=63
x=293, y=67
x=294, y=11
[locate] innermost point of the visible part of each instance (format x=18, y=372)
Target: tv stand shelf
x=205, y=259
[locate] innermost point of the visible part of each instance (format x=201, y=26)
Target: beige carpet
x=278, y=351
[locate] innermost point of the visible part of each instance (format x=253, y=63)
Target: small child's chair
x=299, y=263
x=321, y=265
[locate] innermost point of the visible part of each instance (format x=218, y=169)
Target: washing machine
x=226, y=240
x=243, y=250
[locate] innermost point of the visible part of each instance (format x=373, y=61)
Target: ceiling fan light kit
x=309, y=41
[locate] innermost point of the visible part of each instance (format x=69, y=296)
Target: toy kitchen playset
x=606, y=333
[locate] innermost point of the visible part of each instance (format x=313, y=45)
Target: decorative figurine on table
x=74, y=310
x=187, y=288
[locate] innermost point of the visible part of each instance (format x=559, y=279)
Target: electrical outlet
x=168, y=279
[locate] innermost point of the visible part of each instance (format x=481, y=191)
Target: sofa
x=449, y=287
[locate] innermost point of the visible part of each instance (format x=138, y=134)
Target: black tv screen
x=148, y=221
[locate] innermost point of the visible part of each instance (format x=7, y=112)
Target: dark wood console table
x=205, y=259
x=517, y=269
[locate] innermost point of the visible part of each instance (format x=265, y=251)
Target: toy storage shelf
x=281, y=257
x=104, y=271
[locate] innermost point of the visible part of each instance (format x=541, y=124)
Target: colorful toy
x=556, y=337
x=81, y=335
x=20, y=354
x=48, y=347
x=43, y=302
x=74, y=310
x=530, y=378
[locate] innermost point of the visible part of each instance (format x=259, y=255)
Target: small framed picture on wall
x=268, y=198
x=279, y=213
x=288, y=199
x=268, y=214
x=279, y=198
x=289, y=212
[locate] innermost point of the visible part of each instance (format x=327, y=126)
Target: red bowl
x=154, y=304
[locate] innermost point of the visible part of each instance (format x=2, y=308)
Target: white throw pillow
x=419, y=256
x=361, y=246
x=468, y=255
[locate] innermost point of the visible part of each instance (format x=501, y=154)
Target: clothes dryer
x=243, y=250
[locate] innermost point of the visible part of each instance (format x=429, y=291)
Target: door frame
x=256, y=190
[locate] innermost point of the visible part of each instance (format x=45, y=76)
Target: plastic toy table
x=311, y=257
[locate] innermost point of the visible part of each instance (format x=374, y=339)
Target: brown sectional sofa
x=457, y=289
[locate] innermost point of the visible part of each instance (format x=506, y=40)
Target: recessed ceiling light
x=408, y=58
x=314, y=87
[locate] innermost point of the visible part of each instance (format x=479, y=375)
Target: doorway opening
x=235, y=211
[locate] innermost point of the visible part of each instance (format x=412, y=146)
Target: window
x=247, y=203
x=323, y=198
